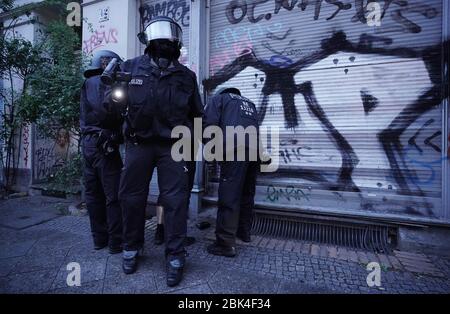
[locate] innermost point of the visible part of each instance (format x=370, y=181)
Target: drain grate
x=368, y=237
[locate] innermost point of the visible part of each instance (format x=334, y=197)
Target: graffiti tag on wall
x=49, y=154
x=100, y=38
x=238, y=10
x=175, y=9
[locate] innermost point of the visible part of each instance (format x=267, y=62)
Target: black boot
x=115, y=249
x=98, y=245
x=159, y=234
x=221, y=250
x=130, y=262
x=174, y=268
x=244, y=236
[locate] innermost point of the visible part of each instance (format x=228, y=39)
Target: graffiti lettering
x=175, y=9
x=99, y=39
x=26, y=143
x=237, y=10
x=289, y=193
x=49, y=154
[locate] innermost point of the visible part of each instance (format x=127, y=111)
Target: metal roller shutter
x=179, y=10
x=358, y=107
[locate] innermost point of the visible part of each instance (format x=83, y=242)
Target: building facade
x=357, y=90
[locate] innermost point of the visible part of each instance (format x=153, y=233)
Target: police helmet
x=99, y=62
x=232, y=90
x=162, y=27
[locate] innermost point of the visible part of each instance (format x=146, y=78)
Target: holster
x=109, y=141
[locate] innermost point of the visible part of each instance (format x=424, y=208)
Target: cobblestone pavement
x=34, y=259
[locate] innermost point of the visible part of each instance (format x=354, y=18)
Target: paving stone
x=409, y=255
x=384, y=260
x=28, y=211
x=271, y=244
x=264, y=242
x=332, y=251
x=14, y=249
x=323, y=252
x=91, y=269
x=306, y=248
x=372, y=257
x=36, y=262
x=256, y=240
x=8, y=264
x=199, y=289
x=232, y=282
x=293, y=287
x=315, y=250
x=362, y=257
x=256, y=269
x=343, y=253
x=352, y=256
x=289, y=246
x=32, y=282
x=93, y=287
x=279, y=244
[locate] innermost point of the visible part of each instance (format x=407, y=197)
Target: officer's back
x=229, y=109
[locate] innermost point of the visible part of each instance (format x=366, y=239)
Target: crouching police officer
x=237, y=177
x=100, y=141
x=162, y=94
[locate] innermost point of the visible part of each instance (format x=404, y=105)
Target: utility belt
x=135, y=139
x=107, y=141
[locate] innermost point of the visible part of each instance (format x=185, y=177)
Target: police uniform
x=102, y=169
x=237, y=178
x=158, y=102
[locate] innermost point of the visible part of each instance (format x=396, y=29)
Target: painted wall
x=23, y=141
x=110, y=25
x=358, y=106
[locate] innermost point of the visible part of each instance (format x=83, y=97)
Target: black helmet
x=162, y=27
x=99, y=62
x=231, y=90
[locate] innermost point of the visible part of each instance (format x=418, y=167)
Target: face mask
x=163, y=48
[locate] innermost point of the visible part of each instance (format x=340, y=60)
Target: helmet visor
x=163, y=30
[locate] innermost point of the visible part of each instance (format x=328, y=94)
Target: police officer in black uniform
x=100, y=141
x=238, y=177
x=162, y=94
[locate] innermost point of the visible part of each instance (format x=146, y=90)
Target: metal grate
x=376, y=238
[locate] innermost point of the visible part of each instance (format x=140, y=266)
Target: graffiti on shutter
x=358, y=106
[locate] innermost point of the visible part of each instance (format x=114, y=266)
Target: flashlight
x=118, y=95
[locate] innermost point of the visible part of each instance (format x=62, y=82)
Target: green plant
x=53, y=100
x=67, y=177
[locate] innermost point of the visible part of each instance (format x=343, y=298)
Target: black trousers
x=101, y=179
x=236, y=199
x=140, y=161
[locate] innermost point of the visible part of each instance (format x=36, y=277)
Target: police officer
x=100, y=141
x=237, y=177
x=162, y=94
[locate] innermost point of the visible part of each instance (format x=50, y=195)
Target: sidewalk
x=37, y=243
